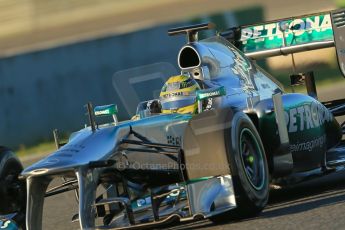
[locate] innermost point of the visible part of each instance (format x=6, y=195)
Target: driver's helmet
x=178, y=95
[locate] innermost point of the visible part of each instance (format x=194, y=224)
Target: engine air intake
x=188, y=58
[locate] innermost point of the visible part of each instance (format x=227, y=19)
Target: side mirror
x=107, y=110
x=204, y=94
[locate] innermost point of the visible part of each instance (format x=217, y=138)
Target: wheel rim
x=252, y=159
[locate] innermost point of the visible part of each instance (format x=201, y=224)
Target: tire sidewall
x=243, y=187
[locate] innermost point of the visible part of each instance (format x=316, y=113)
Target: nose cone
x=85, y=146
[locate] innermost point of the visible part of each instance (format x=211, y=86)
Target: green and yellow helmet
x=178, y=95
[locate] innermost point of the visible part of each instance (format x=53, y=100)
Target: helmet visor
x=181, y=102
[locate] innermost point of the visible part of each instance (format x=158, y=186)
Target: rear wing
x=292, y=35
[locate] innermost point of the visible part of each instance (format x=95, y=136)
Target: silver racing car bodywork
x=218, y=163
x=200, y=197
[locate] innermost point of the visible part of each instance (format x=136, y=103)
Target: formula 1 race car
x=164, y=165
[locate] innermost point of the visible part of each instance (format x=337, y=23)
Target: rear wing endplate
x=292, y=35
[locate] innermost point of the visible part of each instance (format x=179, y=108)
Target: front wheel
x=12, y=191
x=248, y=166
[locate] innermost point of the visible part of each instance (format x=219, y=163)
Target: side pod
x=274, y=134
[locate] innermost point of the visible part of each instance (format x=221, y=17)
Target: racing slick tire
x=12, y=191
x=249, y=170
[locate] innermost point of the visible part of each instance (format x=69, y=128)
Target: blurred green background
x=340, y=3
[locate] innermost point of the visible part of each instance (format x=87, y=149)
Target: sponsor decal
x=293, y=31
x=309, y=145
x=174, y=140
x=103, y=112
x=297, y=26
x=175, y=94
x=209, y=93
x=307, y=116
x=209, y=104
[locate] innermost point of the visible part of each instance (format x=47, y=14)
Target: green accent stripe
x=198, y=179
